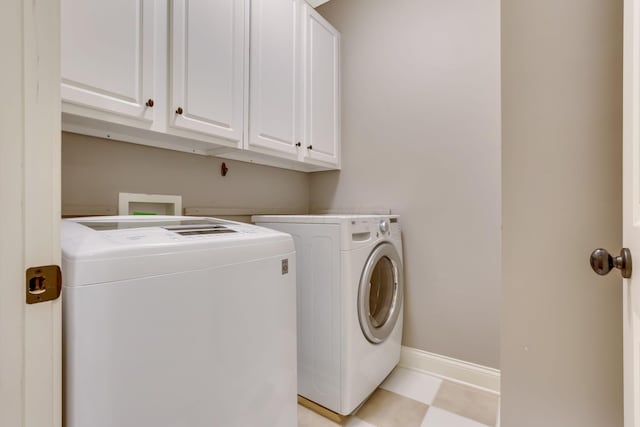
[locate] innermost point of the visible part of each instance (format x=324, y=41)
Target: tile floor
x=409, y=398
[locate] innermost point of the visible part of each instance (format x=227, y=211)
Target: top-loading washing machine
x=178, y=321
x=349, y=303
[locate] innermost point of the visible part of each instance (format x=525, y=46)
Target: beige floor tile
x=388, y=409
x=308, y=418
x=467, y=401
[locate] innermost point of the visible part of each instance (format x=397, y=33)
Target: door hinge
x=43, y=283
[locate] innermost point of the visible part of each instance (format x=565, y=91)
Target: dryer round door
x=380, y=293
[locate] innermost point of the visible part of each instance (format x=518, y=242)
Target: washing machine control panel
x=384, y=226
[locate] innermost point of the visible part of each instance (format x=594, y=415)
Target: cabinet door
x=274, y=114
x=208, y=67
x=321, y=89
x=107, y=55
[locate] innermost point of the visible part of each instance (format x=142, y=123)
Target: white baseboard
x=451, y=369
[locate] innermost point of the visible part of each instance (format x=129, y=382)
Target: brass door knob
x=179, y=110
x=602, y=262
x=149, y=103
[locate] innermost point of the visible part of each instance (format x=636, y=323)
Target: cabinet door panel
x=321, y=89
x=208, y=66
x=107, y=55
x=274, y=75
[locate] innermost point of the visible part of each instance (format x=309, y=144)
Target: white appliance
x=178, y=321
x=350, y=302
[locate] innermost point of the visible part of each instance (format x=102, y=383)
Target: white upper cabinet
x=207, y=58
x=108, y=56
x=275, y=109
x=295, y=83
x=321, y=89
x=252, y=80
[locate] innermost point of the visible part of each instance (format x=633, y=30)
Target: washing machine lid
x=180, y=225
x=107, y=249
x=380, y=293
x=133, y=233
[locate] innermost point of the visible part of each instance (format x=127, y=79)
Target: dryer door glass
x=380, y=293
x=382, y=289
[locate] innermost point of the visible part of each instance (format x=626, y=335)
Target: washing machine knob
x=384, y=226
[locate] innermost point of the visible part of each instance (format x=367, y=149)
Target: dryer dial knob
x=384, y=226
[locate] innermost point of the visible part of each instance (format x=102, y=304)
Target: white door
x=274, y=112
x=321, y=142
x=30, y=343
x=107, y=56
x=631, y=211
x=208, y=51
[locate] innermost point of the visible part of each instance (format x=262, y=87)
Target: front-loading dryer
x=349, y=303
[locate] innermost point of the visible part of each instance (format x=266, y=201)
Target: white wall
x=421, y=135
x=95, y=170
x=561, y=324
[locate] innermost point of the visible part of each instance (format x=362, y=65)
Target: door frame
x=30, y=335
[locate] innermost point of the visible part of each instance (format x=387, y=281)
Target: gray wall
x=421, y=136
x=561, y=324
x=95, y=170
